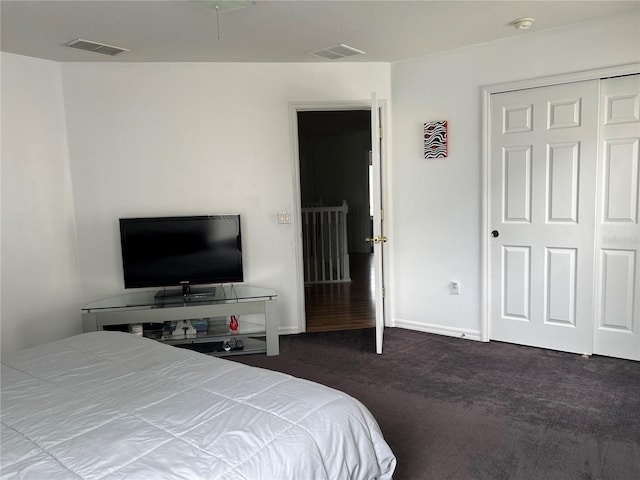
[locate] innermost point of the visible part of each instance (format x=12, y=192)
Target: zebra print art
x=435, y=140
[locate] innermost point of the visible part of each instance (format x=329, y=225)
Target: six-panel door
x=542, y=203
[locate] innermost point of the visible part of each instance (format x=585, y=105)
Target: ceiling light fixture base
x=223, y=6
x=523, y=23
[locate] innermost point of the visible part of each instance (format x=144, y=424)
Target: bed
x=111, y=405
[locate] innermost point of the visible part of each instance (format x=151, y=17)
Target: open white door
x=378, y=238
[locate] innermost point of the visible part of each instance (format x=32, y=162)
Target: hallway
x=343, y=306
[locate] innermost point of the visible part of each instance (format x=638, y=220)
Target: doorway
x=335, y=170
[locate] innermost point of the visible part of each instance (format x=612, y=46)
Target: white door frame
x=294, y=108
x=487, y=91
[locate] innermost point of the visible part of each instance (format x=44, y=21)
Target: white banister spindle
x=326, y=256
x=336, y=239
x=308, y=243
x=315, y=246
x=322, y=259
x=344, y=252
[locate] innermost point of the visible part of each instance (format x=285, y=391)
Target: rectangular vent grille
x=336, y=52
x=96, y=47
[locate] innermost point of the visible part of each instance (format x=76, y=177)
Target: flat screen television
x=181, y=251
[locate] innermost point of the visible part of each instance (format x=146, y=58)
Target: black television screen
x=171, y=251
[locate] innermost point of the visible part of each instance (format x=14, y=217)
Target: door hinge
x=383, y=292
x=379, y=132
x=381, y=214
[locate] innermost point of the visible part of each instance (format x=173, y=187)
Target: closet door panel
x=543, y=164
x=617, y=297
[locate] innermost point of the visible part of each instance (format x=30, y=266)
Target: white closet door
x=542, y=209
x=617, y=306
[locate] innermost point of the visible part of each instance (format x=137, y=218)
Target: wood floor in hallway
x=343, y=306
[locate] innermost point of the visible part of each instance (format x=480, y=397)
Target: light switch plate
x=284, y=217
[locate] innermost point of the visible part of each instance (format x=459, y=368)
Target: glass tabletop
x=226, y=293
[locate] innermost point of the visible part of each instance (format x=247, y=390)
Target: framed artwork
x=435, y=140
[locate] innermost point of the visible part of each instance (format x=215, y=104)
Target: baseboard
x=420, y=327
x=288, y=330
x=439, y=329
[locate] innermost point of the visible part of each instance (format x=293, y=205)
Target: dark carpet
x=458, y=409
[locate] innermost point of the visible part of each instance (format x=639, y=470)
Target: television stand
x=145, y=307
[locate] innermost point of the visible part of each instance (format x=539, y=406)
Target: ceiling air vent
x=336, y=52
x=96, y=47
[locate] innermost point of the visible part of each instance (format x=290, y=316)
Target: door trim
x=294, y=108
x=487, y=91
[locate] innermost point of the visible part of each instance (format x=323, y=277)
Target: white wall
x=39, y=264
x=436, y=204
x=182, y=139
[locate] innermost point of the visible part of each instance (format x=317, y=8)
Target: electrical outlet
x=455, y=287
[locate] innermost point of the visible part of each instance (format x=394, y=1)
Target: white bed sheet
x=110, y=405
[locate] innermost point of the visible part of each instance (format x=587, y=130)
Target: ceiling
x=276, y=31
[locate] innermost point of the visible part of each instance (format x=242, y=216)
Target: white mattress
x=114, y=405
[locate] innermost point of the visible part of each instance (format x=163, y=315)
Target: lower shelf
x=209, y=342
x=216, y=348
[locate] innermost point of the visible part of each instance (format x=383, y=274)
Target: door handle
x=495, y=234
x=376, y=239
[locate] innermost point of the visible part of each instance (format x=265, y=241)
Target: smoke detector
x=336, y=52
x=96, y=47
x=523, y=23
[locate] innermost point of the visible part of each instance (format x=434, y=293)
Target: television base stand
x=188, y=292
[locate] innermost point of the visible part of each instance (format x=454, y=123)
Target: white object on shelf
x=184, y=329
x=136, y=329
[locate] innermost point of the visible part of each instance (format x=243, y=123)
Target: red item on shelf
x=233, y=324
